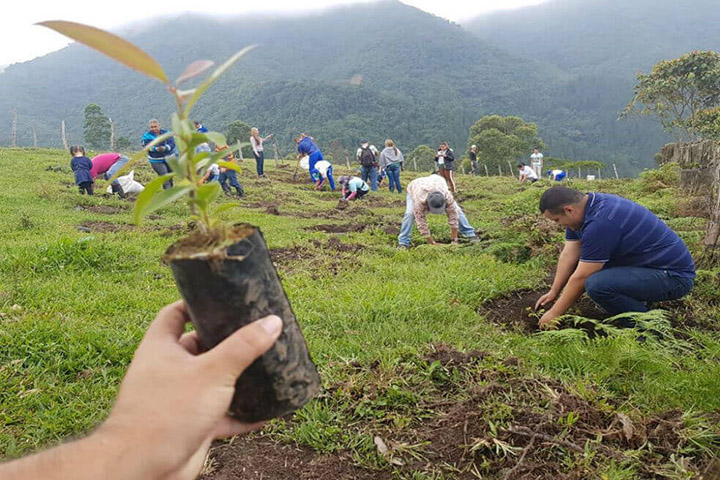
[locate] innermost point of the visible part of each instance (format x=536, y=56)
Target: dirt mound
x=102, y=227
x=470, y=415
x=272, y=210
x=448, y=356
x=285, y=255
x=260, y=458
x=336, y=228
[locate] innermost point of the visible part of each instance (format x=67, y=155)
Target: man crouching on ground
x=622, y=254
x=431, y=195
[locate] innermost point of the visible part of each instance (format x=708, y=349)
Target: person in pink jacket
x=107, y=165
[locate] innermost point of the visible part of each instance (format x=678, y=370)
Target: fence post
x=487, y=174
x=616, y=174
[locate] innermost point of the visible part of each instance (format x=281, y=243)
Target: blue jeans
x=627, y=289
x=232, y=176
x=370, y=171
x=115, y=167
x=408, y=221
x=393, y=173
x=260, y=163
x=312, y=160
x=315, y=174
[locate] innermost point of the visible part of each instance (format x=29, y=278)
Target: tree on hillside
x=675, y=91
x=503, y=139
x=239, y=131
x=96, y=129
x=422, y=158
x=122, y=144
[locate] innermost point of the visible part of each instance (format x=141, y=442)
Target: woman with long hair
x=256, y=141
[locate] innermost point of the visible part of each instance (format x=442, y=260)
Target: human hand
x=548, y=321
x=174, y=399
x=431, y=241
x=549, y=297
x=160, y=148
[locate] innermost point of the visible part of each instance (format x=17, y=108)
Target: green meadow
x=79, y=284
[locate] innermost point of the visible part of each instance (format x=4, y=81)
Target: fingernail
x=272, y=324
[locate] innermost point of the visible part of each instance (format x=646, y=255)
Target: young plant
x=188, y=166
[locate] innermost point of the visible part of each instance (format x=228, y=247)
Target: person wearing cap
x=473, y=160
x=526, y=174
x=368, y=155
x=353, y=187
x=431, y=195
x=617, y=251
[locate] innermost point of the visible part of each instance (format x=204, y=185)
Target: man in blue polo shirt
x=159, y=154
x=618, y=251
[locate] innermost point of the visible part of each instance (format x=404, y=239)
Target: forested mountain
x=376, y=71
x=602, y=45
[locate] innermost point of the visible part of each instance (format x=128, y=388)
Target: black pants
x=85, y=187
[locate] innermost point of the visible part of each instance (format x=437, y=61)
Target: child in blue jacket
x=81, y=165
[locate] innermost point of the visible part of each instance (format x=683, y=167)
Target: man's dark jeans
x=628, y=289
x=369, y=175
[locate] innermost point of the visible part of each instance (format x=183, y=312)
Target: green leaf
x=216, y=138
x=214, y=76
x=193, y=70
x=160, y=199
x=208, y=192
x=144, y=198
x=110, y=45
x=230, y=166
x=225, y=207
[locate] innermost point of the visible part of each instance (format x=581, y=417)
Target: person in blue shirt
x=617, y=251
x=307, y=146
x=203, y=147
x=159, y=154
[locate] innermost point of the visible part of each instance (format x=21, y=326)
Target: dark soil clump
x=448, y=356
x=335, y=228
x=104, y=209
x=272, y=210
x=335, y=244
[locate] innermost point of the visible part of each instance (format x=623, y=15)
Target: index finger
x=538, y=304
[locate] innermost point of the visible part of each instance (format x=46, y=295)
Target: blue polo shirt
x=619, y=232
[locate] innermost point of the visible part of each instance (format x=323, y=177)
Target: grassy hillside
x=431, y=349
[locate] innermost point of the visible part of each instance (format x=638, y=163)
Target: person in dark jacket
x=159, y=154
x=81, y=165
x=445, y=159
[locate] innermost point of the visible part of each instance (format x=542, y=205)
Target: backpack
x=367, y=158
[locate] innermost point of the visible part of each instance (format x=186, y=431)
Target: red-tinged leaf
x=111, y=45
x=194, y=69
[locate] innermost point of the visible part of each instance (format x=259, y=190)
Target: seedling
x=224, y=273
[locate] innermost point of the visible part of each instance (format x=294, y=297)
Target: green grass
x=74, y=305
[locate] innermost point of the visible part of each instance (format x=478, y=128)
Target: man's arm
x=567, y=262
x=172, y=403
x=573, y=290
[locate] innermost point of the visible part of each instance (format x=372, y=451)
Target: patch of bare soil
x=478, y=416
x=285, y=255
x=515, y=311
x=259, y=458
x=336, y=245
x=272, y=210
x=337, y=228
x=102, y=227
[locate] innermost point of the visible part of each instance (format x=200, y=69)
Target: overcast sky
x=22, y=41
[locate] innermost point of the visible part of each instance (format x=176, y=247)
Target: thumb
x=234, y=354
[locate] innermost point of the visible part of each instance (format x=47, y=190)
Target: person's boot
x=226, y=189
x=240, y=192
